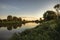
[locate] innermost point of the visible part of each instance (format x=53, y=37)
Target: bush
x=46, y=31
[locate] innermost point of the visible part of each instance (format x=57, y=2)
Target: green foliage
x=45, y=31
x=9, y=17
x=49, y=15
x=57, y=6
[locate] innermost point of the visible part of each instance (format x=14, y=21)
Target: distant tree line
x=14, y=18
x=11, y=18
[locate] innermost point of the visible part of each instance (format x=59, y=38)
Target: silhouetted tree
x=57, y=8
x=9, y=17
x=41, y=20
x=15, y=18
x=49, y=15
x=0, y=20
x=4, y=20
x=20, y=19
x=36, y=21
x=24, y=21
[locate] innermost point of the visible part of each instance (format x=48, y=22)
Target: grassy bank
x=48, y=30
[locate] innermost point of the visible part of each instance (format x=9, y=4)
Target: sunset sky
x=26, y=8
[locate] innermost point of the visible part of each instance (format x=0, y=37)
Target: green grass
x=48, y=30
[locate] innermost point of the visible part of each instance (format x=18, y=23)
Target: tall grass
x=48, y=30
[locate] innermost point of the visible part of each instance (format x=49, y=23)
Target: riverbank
x=48, y=30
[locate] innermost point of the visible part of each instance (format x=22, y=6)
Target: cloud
x=8, y=7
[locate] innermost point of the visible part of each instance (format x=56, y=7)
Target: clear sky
x=25, y=8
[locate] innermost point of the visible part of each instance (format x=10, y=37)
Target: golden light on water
x=29, y=18
x=29, y=25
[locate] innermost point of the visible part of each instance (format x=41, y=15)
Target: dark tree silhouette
x=57, y=8
x=15, y=18
x=9, y=17
x=0, y=20
x=49, y=15
x=41, y=20
x=4, y=20
x=20, y=19
x=24, y=20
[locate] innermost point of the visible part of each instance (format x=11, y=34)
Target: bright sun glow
x=29, y=18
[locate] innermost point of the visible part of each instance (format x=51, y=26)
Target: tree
x=15, y=18
x=9, y=18
x=4, y=20
x=0, y=20
x=20, y=19
x=49, y=15
x=57, y=8
x=41, y=20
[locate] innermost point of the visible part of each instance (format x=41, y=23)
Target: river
x=7, y=32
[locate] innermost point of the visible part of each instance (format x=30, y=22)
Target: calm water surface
x=5, y=33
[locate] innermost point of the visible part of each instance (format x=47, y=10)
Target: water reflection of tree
x=17, y=25
x=14, y=26
x=11, y=26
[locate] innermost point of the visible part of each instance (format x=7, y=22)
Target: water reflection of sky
x=4, y=33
